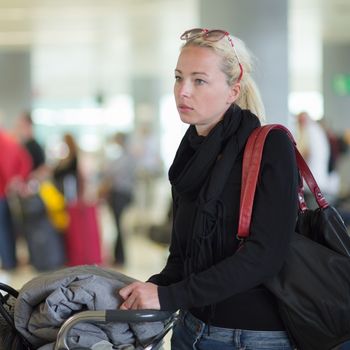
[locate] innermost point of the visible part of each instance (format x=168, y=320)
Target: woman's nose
x=184, y=90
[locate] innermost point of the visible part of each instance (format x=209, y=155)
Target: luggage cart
x=14, y=340
x=127, y=316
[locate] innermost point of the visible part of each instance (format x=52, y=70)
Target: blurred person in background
x=217, y=283
x=339, y=147
x=24, y=131
x=149, y=168
x=66, y=173
x=337, y=143
x=15, y=166
x=314, y=145
x=118, y=185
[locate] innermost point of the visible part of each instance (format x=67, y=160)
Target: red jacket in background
x=14, y=161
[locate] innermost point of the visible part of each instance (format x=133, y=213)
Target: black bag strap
x=3, y=300
x=9, y=290
x=6, y=314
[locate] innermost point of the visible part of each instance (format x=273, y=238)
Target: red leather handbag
x=313, y=286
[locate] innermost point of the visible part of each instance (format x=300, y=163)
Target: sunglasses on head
x=212, y=36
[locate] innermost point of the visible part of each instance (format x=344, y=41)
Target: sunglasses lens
x=192, y=33
x=215, y=35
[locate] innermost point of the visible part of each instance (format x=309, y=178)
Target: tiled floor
x=144, y=257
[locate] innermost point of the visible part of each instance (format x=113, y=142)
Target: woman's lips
x=184, y=108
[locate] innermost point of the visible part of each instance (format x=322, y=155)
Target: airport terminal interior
x=95, y=75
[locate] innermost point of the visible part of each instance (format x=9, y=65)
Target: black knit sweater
x=229, y=293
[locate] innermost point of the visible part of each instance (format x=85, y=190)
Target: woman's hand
x=139, y=295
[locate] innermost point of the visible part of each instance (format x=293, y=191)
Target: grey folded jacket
x=46, y=301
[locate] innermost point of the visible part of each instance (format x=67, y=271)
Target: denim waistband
x=199, y=327
x=233, y=336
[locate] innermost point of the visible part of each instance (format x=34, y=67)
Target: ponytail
x=250, y=98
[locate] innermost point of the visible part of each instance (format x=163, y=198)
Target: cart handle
x=105, y=316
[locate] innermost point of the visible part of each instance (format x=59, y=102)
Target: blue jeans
x=191, y=333
x=345, y=346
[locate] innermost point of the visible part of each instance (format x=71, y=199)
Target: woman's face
x=201, y=91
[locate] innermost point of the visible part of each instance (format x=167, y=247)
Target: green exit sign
x=341, y=84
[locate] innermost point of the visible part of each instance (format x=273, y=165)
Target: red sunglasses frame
x=194, y=33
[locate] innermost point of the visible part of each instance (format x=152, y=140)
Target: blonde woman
x=218, y=287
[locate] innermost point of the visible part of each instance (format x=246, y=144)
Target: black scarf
x=199, y=172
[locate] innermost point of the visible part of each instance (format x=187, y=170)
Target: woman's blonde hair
x=249, y=97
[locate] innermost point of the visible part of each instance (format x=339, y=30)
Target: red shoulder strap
x=250, y=171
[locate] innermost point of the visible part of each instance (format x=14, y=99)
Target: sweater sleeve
x=262, y=255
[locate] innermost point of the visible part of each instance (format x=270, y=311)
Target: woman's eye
x=199, y=81
x=177, y=78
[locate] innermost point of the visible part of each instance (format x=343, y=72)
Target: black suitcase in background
x=45, y=243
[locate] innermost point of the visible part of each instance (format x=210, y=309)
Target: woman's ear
x=235, y=90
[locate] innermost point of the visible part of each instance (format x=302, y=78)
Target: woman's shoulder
x=278, y=143
x=278, y=136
